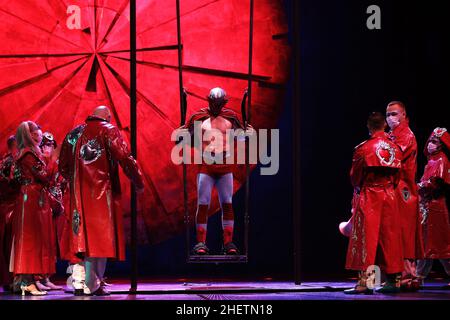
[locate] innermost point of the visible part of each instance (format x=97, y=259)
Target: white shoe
x=31, y=289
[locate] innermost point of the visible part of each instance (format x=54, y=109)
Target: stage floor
x=257, y=290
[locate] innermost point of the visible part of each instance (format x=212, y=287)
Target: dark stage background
x=346, y=72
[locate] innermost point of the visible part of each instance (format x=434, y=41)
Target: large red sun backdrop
x=56, y=75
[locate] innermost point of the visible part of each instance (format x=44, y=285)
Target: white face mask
x=432, y=148
x=393, y=122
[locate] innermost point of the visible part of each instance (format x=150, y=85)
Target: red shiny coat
x=375, y=236
x=57, y=185
x=7, y=201
x=32, y=217
x=89, y=160
x=433, y=189
x=407, y=192
x=61, y=218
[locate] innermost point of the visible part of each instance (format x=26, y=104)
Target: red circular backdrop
x=55, y=76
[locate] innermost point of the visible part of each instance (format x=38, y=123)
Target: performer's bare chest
x=218, y=123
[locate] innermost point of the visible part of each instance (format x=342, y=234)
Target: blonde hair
x=24, y=138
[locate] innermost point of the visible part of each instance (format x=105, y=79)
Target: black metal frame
x=296, y=205
x=133, y=129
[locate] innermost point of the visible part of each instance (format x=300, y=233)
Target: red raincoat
x=7, y=201
x=375, y=236
x=434, y=190
x=32, y=217
x=407, y=192
x=61, y=224
x=89, y=159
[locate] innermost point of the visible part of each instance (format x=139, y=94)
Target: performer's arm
x=119, y=151
x=38, y=169
x=437, y=181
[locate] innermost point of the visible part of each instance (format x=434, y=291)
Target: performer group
x=398, y=225
x=64, y=201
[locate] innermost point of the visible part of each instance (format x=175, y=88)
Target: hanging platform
x=217, y=259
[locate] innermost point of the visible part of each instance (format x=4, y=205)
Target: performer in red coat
x=8, y=194
x=89, y=160
x=31, y=255
x=217, y=171
x=48, y=146
x=434, y=192
x=375, y=238
x=402, y=135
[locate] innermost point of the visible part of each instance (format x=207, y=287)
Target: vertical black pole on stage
x=182, y=121
x=134, y=255
x=296, y=141
x=247, y=153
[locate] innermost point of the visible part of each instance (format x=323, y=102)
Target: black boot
x=200, y=249
x=359, y=290
x=392, y=284
x=361, y=286
x=230, y=249
x=100, y=292
x=78, y=292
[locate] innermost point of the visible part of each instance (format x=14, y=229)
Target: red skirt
x=376, y=237
x=436, y=230
x=410, y=222
x=34, y=248
x=6, y=209
x=216, y=170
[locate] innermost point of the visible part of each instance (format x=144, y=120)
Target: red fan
x=59, y=59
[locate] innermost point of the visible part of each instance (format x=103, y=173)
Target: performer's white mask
x=393, y=121
x=432, y=147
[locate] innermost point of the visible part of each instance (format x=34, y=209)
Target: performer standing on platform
x=8, y=193
x=434, y=193
x=89, y=159
x=404, y=138
x=31, y=256
x=216, y=172
x=375, y=237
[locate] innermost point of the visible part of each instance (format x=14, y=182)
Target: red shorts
x=216, y=170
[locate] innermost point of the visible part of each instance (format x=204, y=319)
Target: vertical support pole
x=133, y=87
x=247, y=153
x=182, y=122
x=296, y=205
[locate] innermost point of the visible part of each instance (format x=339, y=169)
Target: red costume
x=32, y=217
x=375, y=237
x=206, y=113
x=434, y=190
x=8, y=195
x=202, y=115
x=59, y=192
x=218, y=174
x=89, y=159
x=407, y=191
